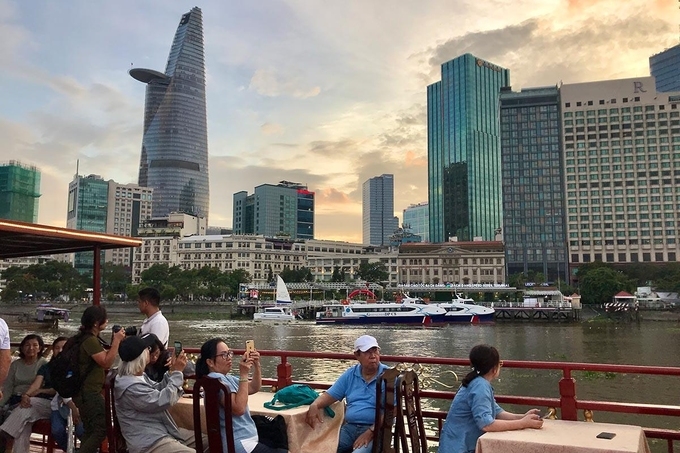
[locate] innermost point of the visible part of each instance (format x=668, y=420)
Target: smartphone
x=250, y=345
x=178, y=348
x=604, y=435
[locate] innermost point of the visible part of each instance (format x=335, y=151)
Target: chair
x=385, y=412
x=113, y=433
x=213, y=390
x=410, y=428
x=44, y=428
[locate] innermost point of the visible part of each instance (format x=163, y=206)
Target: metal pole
x=96, y=276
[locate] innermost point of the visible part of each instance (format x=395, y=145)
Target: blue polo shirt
x=359, y=394
x=473, y=408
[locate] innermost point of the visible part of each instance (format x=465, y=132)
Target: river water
x=647, y=343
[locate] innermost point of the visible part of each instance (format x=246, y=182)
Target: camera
x=129, y=331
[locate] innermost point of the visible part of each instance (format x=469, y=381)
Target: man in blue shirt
x=357, y=387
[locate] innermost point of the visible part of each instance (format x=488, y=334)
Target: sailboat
x=281, y=311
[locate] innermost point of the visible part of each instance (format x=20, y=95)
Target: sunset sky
x=324, y=93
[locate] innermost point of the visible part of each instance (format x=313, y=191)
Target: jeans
x=59, y=421
x=348, y=434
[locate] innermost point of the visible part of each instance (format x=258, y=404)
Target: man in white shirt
x=5, y=353
x=149, y=300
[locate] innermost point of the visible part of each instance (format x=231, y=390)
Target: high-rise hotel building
x=463, y=150
x=377, y=210
x=622, y=171
x=534, y=228
x=665, y=68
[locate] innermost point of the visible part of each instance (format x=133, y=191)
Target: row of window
x=622, y=257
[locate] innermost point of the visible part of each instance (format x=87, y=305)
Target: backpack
x=64, y=369
x=295, y=395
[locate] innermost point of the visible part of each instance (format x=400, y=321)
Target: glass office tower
x=378, y=220
x=534, y=229
x=464, y=156
x=665, y=68
x=19, y=192
x=87, y=210
x=417, y=220
x=174, y=160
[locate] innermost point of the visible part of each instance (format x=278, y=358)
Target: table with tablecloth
x=566, y=437
x=301, y=437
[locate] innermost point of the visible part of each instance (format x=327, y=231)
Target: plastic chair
x=410, y=428
x=113, y=433
x=385, y=413
x=213, y=390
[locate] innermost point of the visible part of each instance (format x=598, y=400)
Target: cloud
x=267, y=83
x=271, y=129
x=601, y=47
x=331, y=196
x=335, y=149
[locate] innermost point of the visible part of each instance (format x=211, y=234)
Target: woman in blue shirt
x=474, y=410
x=216, y=362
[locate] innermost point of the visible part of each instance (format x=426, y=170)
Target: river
x=647, y=343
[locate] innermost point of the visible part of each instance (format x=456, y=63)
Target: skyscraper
x=665, y=68
x=19, y=192
x=286, y=208
x=463, y=150
x=379, y=222
x=532, y=174
x=174, y=159
x=417, y=220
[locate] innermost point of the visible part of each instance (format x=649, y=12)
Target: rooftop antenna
x=78, y=163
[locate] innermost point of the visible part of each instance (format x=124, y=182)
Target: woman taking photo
x=474, y=410
x=216, y=362
x=93, y=361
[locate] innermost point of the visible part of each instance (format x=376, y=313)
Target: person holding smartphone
x=216, y=362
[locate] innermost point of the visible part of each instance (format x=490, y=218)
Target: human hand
x=25, y=401
x=532, y=420
x=363, y=440
x=120, y=336
x=179, y=363
x=314, y=415
x=533, y=411
x=245, y=364
x=255, y=356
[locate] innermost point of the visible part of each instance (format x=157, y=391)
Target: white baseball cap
x=364, y=343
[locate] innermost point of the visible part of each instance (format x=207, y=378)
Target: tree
x=338, y=274
x=372, y=272
x=599, y=285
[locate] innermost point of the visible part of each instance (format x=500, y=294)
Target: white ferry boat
x=379, y=313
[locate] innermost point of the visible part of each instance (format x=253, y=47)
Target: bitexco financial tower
x=174, y=159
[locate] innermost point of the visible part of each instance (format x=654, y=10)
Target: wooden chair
x=213, y=390
x=44, y=428
x=385, y=413
x=410, y=428
x=113, y=433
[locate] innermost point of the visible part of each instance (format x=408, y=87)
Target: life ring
x=345, y=302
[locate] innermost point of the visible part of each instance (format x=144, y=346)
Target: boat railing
x=567, y=403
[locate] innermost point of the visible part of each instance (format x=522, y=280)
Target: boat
x=281, y=311
x=47, y=315
x=352, y=313
x=459, y=310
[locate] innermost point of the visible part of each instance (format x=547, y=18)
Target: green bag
x=295, y=395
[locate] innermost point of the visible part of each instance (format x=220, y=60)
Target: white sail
x=282, y=296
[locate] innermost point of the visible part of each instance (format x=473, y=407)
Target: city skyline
x=327, y=95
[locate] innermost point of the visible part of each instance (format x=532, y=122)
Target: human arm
x=239, y=399
x=507, y=421
x=5, y=354
x=315, y=411
x=75, y=413
x=8, y=387
x=489, y=416
x=33, y=390
x=105, y=358
x=256, y=382
x=145, y=397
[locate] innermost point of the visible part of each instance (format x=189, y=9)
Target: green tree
x=372, y=272
x=115, y=277
x=599, y=285
x=338, y=274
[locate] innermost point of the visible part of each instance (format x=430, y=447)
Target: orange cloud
x=331, y=196
x=413, y=159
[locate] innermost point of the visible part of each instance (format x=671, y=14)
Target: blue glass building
x=174, y=160
x=417, y=220
x=534, y=224
x=463, y=144
x=665, y=68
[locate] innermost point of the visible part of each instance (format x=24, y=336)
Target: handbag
x=295, y=395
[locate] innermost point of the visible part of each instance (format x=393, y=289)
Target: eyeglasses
x=226, y=355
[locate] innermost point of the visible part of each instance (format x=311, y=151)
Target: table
x=301, y=437
x=566, y=437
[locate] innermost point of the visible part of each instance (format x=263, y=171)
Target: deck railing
x=568, y=404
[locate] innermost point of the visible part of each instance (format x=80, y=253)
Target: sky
x=323, y=93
